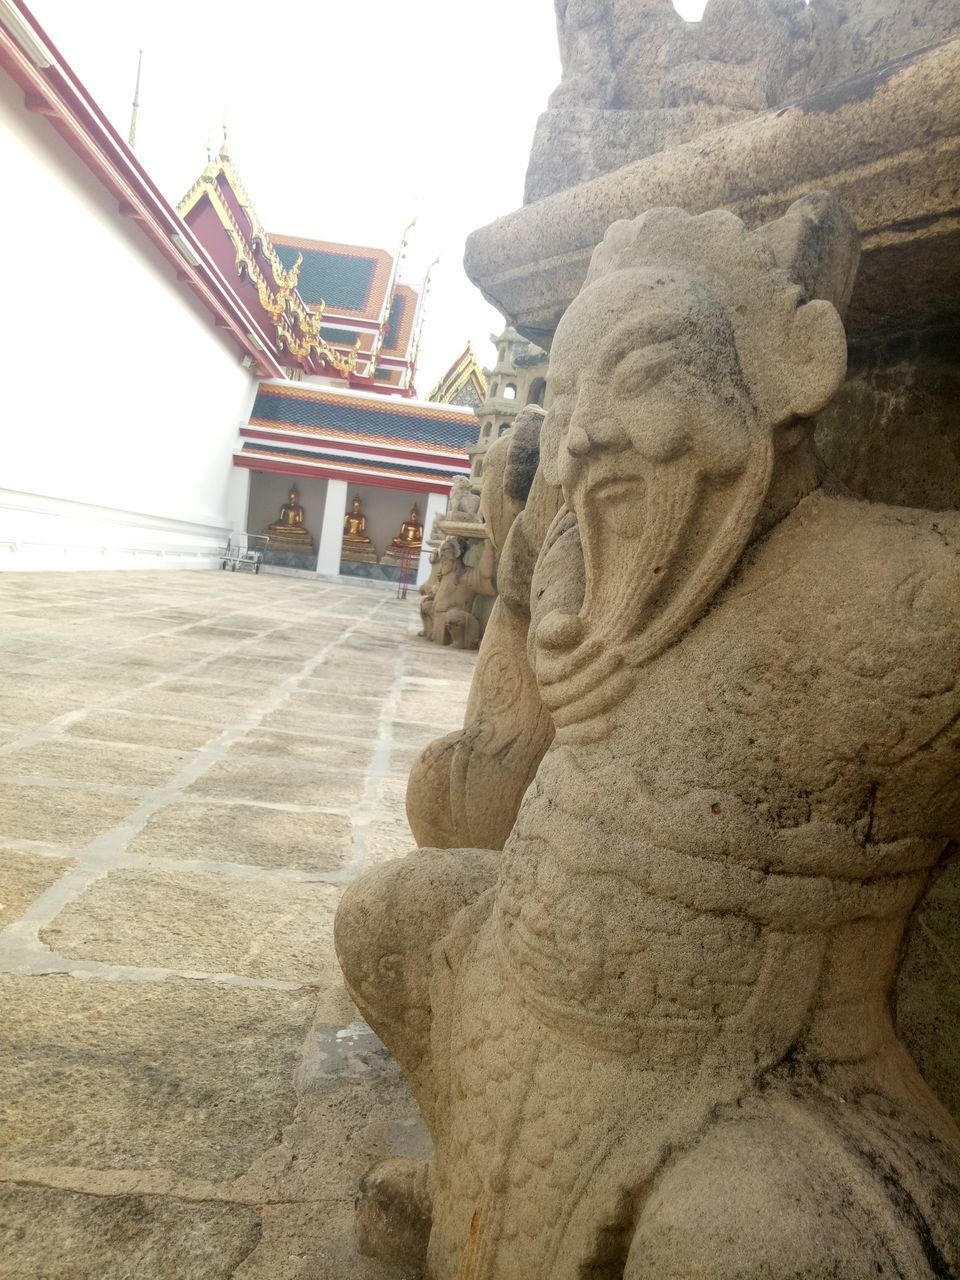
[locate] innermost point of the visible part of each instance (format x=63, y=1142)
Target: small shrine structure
x=518, y=378
x=341, y=444
x=464, y=383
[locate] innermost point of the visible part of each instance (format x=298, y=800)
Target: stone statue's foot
x=394, y=1212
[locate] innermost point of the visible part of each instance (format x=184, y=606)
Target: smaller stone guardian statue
x=446, y=596
x=464, y=504
x=466, y=787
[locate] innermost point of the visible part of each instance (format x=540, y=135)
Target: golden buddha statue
x=356, y=545
x=288, y=532
x=408, y=541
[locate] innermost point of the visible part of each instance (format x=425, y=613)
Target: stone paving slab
x=247, y=834
x=79, y=761
x=55, y=816
x=300, y=716
x=195, y=921
x=343, y=753
x=291, y=783
x=186, y=1077
x=191, y=767
x=143, y=731
x=23, y=877
x=187, y=706
x=60, y=1235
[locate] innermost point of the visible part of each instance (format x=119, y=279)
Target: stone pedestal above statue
x=357, y=547
x=869, y=138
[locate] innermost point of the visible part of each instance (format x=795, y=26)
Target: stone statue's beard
x=656, y=549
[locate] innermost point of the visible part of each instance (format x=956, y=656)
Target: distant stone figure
x=446, y=596
x=287, y=533
x=465, y=789
x=653, y=1038
x=464, y=505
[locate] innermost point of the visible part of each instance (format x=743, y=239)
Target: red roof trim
x=254, y=462
x=420, y=408
x=317, y=437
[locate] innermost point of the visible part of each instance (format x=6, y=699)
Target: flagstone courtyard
x=192, y=765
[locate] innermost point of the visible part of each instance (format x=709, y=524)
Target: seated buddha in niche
x=411, y=531
x=356, y=544
x=408, y=541
x=288, y=531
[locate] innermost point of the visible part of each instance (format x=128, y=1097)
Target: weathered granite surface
x=654, y=1036
x=638, y=79
x=887, y=144
x=191, y=765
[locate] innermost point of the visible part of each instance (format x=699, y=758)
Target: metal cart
x=244, y=551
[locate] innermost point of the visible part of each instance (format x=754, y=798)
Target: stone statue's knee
x=758, y=1198
x=429, y=807
x=389, y=919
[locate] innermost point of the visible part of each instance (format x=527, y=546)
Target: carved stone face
x=449, y=556
x=643, y=371
x=679, y=373
x=661, y=455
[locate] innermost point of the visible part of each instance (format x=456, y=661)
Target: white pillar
x=238, y=498
x=331, y=531
x=436, y=506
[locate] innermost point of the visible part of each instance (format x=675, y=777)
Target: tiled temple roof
x=399, y=326
x=348, y=279
x=366, y=418
x=463, y=383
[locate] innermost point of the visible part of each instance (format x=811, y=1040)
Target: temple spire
x=224, y=149
x=132, y=135
x=390, y=294
x=418, y=322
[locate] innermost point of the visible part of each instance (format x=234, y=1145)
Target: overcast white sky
x=345, y=120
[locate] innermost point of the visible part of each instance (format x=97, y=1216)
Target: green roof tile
x=333, y=278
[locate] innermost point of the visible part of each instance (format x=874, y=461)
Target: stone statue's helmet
x=685, y=367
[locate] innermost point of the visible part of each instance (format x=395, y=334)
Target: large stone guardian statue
x=653, y=1037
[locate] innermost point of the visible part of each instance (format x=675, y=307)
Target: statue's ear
x=816, y=359
x=817, y=244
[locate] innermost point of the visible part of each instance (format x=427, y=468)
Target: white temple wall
x=436, y=506
x=122, y=401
